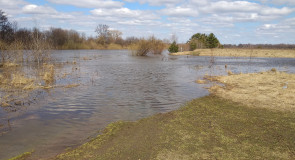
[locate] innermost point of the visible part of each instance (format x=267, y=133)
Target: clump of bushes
x=199, y=41
x=151, y=45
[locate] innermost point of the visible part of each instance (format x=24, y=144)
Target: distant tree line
x=260, y=46
x=58, y=38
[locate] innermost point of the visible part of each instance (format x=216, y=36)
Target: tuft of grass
x=201, y=81
x=273, y=70
x=18, y=80
x=49, y=75
x=205, y=128
x=23, y=156
x=10, y=64
x=86, y=58
x=71, y=85
x=229, y=72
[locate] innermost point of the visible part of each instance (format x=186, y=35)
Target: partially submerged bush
x=145, y=46
x=157, y=45
x=49, y=75
x=142, y=48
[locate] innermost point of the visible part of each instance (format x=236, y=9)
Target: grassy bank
x=283, y=53
x=273, y=90
x=205, y=128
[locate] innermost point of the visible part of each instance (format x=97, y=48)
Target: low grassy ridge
x=205, y=128
x=272, y=89
x=283, y=53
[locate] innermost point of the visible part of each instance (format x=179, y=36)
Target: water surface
x=113, y=86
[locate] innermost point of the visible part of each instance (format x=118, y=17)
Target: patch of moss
x=205, y=128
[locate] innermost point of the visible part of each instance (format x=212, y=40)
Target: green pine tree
x=173, y=47
x=212, y=41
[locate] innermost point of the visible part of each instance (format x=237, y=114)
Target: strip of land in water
x=251, y=117
x=272, y=53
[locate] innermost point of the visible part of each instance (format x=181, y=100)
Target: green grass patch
x=205, y=128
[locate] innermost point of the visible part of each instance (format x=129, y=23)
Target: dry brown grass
x=273, y=90
x=17, y=81
x=113, y=46
x=10, y=64
x=201, y=81
x=229, y=72
x=181, y=53
x=283, y=53
x=20, y=80
x=71, y=85
x=49, y=74
x=86, y=58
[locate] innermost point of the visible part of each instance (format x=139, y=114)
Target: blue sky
x=233, y=22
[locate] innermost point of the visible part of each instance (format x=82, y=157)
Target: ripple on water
x=114, y=86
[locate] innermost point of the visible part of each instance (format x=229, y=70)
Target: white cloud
x=124, y=13
x=11, y=7
x=121, y=12
x=158, y=2
x=235, y=6
x=90, y=3
x=34, y=9
x=276, y=11
x=244, y=7
x=180, y=12
x=284, y=26
x=6, y=4
x=282, y=2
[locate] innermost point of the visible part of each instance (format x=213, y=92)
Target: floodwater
x=113, y=86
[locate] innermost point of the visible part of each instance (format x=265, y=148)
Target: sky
x=233, y=22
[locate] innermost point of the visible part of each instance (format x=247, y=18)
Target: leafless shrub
x=40, y=48
x=145, y=46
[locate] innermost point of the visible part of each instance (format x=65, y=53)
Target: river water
x=113, y=85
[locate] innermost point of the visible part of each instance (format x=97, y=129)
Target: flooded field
x=109, y=86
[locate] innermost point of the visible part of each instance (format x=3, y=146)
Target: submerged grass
x=205, y=128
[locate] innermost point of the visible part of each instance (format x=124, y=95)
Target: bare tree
x=103, y=33
x=115, y=34
x=174, y=38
